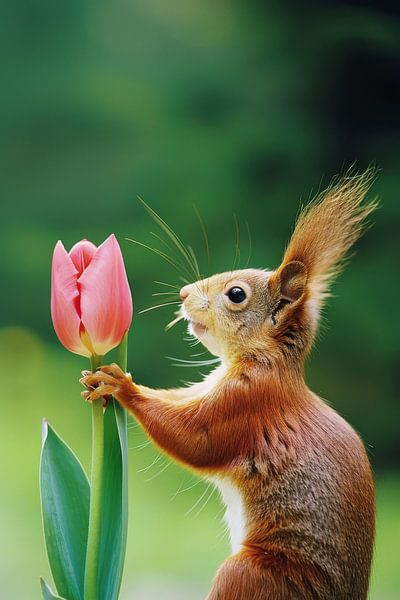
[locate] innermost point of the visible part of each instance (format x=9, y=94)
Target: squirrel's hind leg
x=243, y=577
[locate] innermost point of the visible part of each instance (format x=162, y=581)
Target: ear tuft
x=327, y=228
x=293, y=280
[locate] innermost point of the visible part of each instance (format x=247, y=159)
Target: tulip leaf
x=47, y=592
x=114, y=504
x=65, y=496
x=122, y=424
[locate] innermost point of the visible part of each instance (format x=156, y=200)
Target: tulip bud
x=91, y=303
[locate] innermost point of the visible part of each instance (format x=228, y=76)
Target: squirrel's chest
x=235, y=514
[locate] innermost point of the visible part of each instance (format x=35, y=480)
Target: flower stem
x=122, y=425
x=93, y=543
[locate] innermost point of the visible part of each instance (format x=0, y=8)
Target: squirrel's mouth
x=197, y=328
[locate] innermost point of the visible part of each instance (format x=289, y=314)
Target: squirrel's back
x=314, y=510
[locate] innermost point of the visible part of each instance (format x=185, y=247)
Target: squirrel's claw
x=92, y=380
x=113, y=370
x=86, y=395
x=95, y=394
x=107, y=380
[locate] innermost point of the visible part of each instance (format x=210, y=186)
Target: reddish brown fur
x=302, y=471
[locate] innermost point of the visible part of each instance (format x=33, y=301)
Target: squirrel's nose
x=184, y=293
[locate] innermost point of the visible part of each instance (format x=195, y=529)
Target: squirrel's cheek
x=213, y=344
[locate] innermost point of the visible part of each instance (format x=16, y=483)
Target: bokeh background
x=239, y=108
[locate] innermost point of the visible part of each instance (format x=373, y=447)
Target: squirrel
x=294, y=474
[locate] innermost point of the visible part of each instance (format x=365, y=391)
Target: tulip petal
x=106, y=301
x=81, y=254
x=65, y=301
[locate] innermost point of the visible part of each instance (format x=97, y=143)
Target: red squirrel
x=294, y=474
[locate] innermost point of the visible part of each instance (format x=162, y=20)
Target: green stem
x=122, y=425
x=122, y=353
x=93, y=543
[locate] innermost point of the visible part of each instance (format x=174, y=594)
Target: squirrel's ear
x=287, y=285
x=292, y=278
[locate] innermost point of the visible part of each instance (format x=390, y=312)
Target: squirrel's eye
x=236, y=295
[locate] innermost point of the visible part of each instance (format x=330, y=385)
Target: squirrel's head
x=245, y=312
x=271, y=315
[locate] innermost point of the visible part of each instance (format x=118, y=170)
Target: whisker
x=186, y=360
x=182, y=266
x=140, y=446
x=221, y=535
x=250, y=246
x=198, y=274
x=160, y=239
x=205, y=503
x=186, y=489
x=155, y=461
x=236, y=262
x=159, y=253
x=193, y=341
x=199, y=500
x=183, y=362
x=173, y=322
x=168, y=464
x=165, y=294
x=185, y=281
x=170, y=233
x=158, y=306
x=167, y=284
x=204, y=231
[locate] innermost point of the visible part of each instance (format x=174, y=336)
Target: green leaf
x=114, y=504
x=65, y=496
x=47, y=592
x=122, y=424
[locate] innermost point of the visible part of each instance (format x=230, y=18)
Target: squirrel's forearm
x=190, y=432
x=178, y=429
x=175, y=428
x=173, y=395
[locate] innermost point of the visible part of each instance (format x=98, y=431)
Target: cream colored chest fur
x=234, y=515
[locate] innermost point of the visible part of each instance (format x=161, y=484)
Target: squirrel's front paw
x=107, y=380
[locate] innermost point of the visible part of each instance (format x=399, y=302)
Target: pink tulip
x=91, y=303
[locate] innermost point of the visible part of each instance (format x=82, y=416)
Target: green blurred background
x=243, y=108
